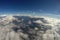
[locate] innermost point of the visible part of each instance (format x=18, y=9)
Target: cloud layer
x=29, y=28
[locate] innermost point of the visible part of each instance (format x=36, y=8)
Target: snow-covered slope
x=29, y=28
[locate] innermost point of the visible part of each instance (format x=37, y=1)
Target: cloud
x=30, y=28
x=41, y=10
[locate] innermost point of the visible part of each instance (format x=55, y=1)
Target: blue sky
x=37, y=6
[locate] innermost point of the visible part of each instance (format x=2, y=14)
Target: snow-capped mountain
x=14, y=27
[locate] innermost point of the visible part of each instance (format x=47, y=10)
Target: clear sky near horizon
x=38, y=6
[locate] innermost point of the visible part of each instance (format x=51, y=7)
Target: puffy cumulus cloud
x=15, y=27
